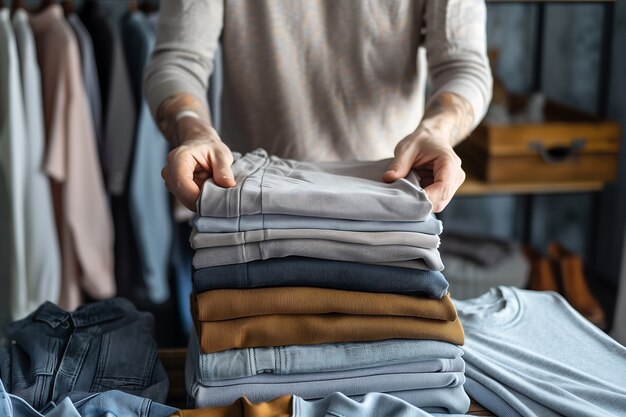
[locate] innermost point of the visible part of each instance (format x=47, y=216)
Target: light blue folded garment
x=14, y=406
x=371, y=405
x=237, y=364
x=540, y=357
x=438, y=391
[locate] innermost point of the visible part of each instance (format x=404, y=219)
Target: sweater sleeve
x=187, y=39
x=456, y=47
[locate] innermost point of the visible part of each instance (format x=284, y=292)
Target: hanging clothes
x=90, y=73
x=13, y=178
x=101, y=34
x=119, y=117
x=83, y=219
x=43, y=259
x=149, y=201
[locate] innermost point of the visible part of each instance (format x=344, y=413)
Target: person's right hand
x=200, y=155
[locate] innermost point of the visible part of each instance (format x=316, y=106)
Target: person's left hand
x=436, y=163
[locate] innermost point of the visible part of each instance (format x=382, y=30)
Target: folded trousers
x=311, y=272
x=217, y=305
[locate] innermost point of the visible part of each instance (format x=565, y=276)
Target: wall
x=572, y=43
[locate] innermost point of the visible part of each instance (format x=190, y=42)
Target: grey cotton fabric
x=540, y=357
x=481, y=250
x=468, y=279
x=316, y=248
x=209, y=240
x=350, y=190
x=121, y=116
x=318, y=79
x=311, y=272
x=90, y=73
x=219, y=396
x=430, y=226
x=235, y=364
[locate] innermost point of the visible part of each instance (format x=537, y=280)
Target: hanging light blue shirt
x=149, y=201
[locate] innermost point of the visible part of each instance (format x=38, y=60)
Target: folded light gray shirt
x=405, y=256
x=209, y=240
x=351, y=190
x=430, y=226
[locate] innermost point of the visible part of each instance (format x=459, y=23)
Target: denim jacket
x=103, y=346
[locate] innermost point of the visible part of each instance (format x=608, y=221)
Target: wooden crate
x=568, y=146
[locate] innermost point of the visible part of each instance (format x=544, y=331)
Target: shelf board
x=474, y=187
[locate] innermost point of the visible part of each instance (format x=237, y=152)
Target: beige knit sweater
x=321, y=79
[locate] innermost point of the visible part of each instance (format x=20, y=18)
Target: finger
x=457, y=184
x=444, y=185
x=181, y=179
x=222, y=173
x=401, y=164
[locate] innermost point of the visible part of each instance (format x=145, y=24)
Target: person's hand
x=436, y=163
x=200, y=155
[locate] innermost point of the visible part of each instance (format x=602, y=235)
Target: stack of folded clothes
x=314, y=278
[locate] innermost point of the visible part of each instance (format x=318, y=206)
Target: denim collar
x=86, y=315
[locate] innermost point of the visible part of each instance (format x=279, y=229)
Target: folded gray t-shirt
x=430, y=226
x=210, y=240
x=316, y=248
x=341, y=190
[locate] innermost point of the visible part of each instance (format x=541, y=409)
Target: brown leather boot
x=541, y=275
x=574, y=285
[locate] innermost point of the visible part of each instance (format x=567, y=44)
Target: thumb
x=222, y=173
x=401, y=165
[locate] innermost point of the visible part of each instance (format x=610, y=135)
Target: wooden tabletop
x=174, y=362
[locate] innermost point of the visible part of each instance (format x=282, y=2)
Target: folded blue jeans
x=302, y=359
x=311, y=272
x=341, y=190
x=430, y=226
x=99, y=347
x=407, y=383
